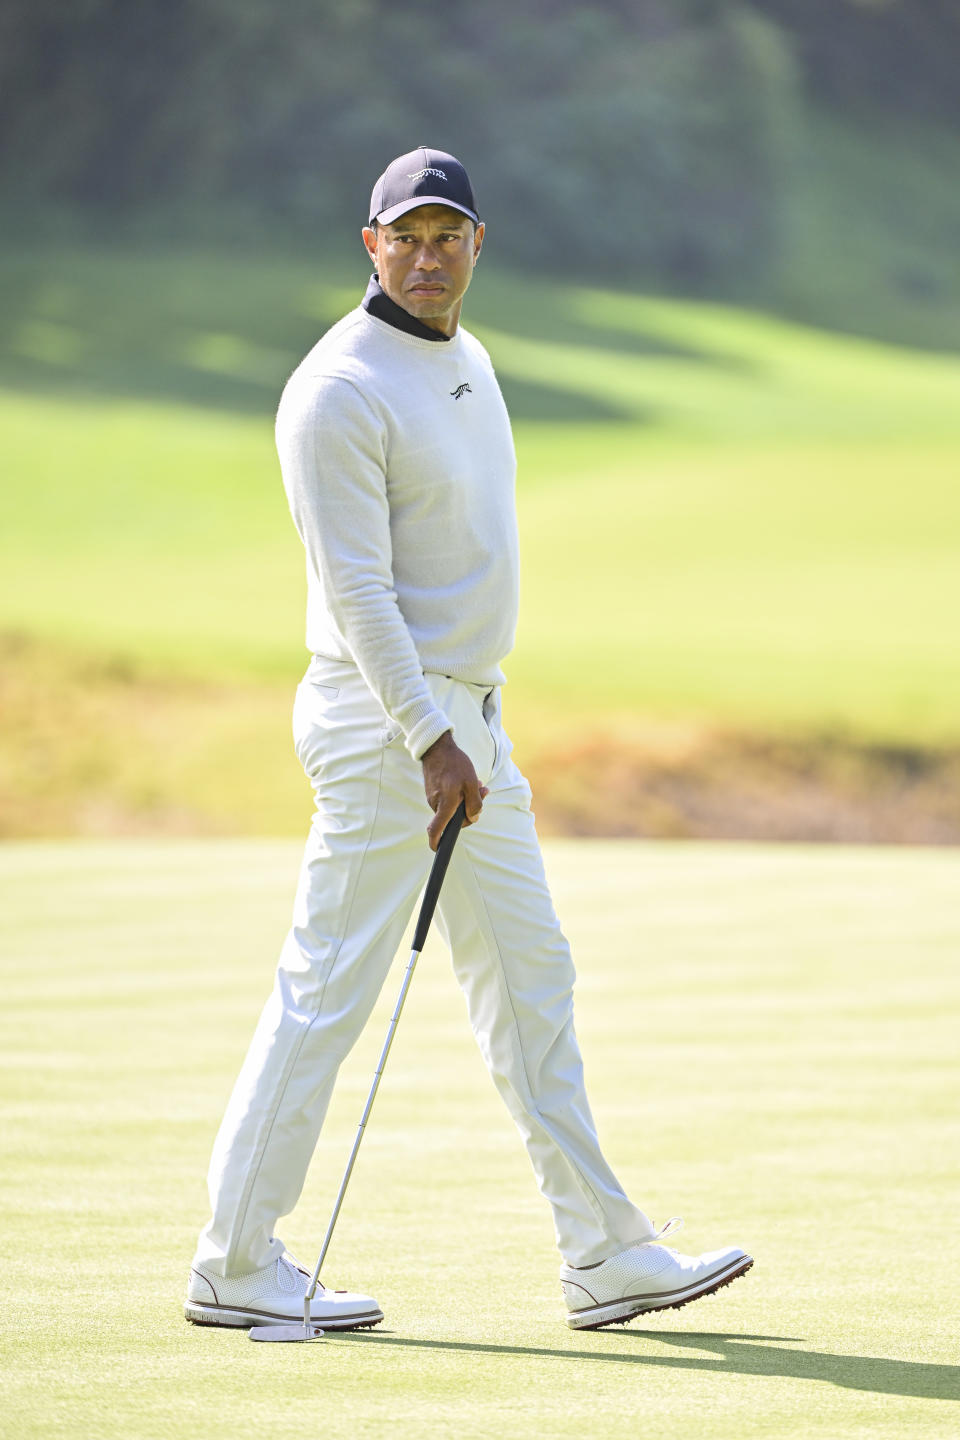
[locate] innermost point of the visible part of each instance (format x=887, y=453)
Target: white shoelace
x=674, y=1224
x=290, y=1265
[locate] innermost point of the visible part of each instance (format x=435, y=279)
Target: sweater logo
x=430, y=170
x=463, y=389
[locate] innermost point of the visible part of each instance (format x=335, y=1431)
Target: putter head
x=286, y=1333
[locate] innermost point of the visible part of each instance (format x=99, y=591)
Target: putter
x=311, y=1329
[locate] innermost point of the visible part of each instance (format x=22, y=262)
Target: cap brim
x=387, y=217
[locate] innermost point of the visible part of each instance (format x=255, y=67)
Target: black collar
x=378, y=303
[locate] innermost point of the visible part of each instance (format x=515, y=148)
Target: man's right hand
x=448, y=778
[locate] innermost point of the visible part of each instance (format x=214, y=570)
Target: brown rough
x=735, y=786
x=102, y=745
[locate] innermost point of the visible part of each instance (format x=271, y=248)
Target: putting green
x=770, y=1048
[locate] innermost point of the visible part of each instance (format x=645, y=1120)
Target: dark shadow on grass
x=507, y=305
x=225, y=333
x=152, y=376
x=153, y=383
x=735, y=1354
x=526, y=400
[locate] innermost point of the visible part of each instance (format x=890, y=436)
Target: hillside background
x=722, y=292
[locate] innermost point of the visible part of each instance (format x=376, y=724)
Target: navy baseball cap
x=423, y=177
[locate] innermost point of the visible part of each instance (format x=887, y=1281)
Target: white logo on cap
x=422, y=174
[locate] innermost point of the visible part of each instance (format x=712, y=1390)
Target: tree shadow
x=551, y=315
x=735, y=1354
x=527, y=400
x=224, y=333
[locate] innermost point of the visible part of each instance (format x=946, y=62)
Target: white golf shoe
x=274, y=1293
x=648, y=1276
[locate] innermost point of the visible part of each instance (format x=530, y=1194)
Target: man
x=398, y=463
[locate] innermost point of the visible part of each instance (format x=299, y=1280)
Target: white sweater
x=399, y=467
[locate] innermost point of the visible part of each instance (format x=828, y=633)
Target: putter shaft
x=314, y=1279
x=430, y=896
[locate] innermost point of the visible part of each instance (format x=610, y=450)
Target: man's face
x=425, y=262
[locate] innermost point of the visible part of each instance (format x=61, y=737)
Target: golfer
x=399, y=467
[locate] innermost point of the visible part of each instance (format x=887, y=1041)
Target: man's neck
x=378, y=304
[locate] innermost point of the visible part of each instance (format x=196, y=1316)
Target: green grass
x=761, y=531
x=770, y=1048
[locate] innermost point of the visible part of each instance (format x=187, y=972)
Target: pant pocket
x=463, y=705
x=491, y=715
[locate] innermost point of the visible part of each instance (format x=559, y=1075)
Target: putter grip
x=437, y=871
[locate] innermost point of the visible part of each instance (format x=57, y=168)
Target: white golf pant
x=365, y=864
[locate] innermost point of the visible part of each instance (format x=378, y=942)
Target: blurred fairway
x=727, y=520
x=770, y=1047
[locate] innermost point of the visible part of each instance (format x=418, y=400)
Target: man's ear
x=370, y=242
